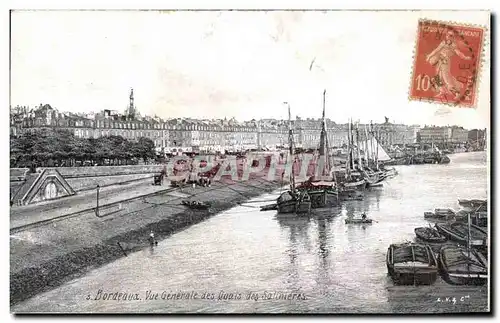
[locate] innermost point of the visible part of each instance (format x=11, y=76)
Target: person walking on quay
x=151, y=239
x=163, y=174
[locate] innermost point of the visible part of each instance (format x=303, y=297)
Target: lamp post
x=97, y=206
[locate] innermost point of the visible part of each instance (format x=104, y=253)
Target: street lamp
x=97, y=206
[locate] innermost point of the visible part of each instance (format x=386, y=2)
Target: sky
x=213, y=64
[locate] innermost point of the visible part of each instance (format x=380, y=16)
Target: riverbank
x=45, y=257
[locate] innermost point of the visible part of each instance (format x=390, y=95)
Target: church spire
x=131, y=108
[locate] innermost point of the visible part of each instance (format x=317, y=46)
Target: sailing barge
x=293, y=200
x=322, y=192
x=411, y=264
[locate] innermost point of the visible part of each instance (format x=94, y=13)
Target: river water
x=324, y=265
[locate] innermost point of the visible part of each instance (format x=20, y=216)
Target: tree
x=146, y=148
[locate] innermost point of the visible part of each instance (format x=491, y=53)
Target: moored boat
x=294, y=202
x=462, y=216
x=322, y=193
x=443, y=159
x=411, y=264
x=358, y=221
x=460, y=232
x=464, y=266
x=358, y=185
x=429, y=214
x=471, y=203
x=196, y=205
x=429, y=234
x=444, y=212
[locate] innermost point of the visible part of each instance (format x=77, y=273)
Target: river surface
x=324, y=265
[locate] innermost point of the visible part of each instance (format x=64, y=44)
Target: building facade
x=443, y=136
x=209, y=136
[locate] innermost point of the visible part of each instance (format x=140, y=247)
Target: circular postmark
x=452, y=89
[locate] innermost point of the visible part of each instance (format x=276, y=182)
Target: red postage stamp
x=446, y=64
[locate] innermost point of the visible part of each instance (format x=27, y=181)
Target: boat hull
x=354, y=186
x=286, y=207
x=323, y=198
x=466, y=279
x=294, y=206
x=194, y=206
x=269, y=207
x=358, y=221
x=463, y=275
x=410, y=278
x=304, y=207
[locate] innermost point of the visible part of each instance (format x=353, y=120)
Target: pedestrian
x=151, y=238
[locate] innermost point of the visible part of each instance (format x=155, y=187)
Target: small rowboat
x=429, y=235
x=196, y=205
x=358, y=221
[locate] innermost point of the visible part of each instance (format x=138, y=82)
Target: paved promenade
x=83, y=201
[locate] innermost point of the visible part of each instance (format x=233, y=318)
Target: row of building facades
x=186, y=135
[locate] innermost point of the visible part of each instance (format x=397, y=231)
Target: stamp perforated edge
x=478, y=71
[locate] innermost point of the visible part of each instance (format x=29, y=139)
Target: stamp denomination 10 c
x=446, y=64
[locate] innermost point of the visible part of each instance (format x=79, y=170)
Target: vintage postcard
x=317, y=161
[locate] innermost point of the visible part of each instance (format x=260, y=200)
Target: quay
x=47, y=251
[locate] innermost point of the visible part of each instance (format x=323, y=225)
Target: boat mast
x=360, y=164
x=375, y=144
x=370, y=132
x=352, y=144
x=348, y=161
x=468, y=242
x=366, y=147
x=323, y=140
x=290, y=144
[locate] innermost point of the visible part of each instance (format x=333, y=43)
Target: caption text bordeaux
x=194, y=295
